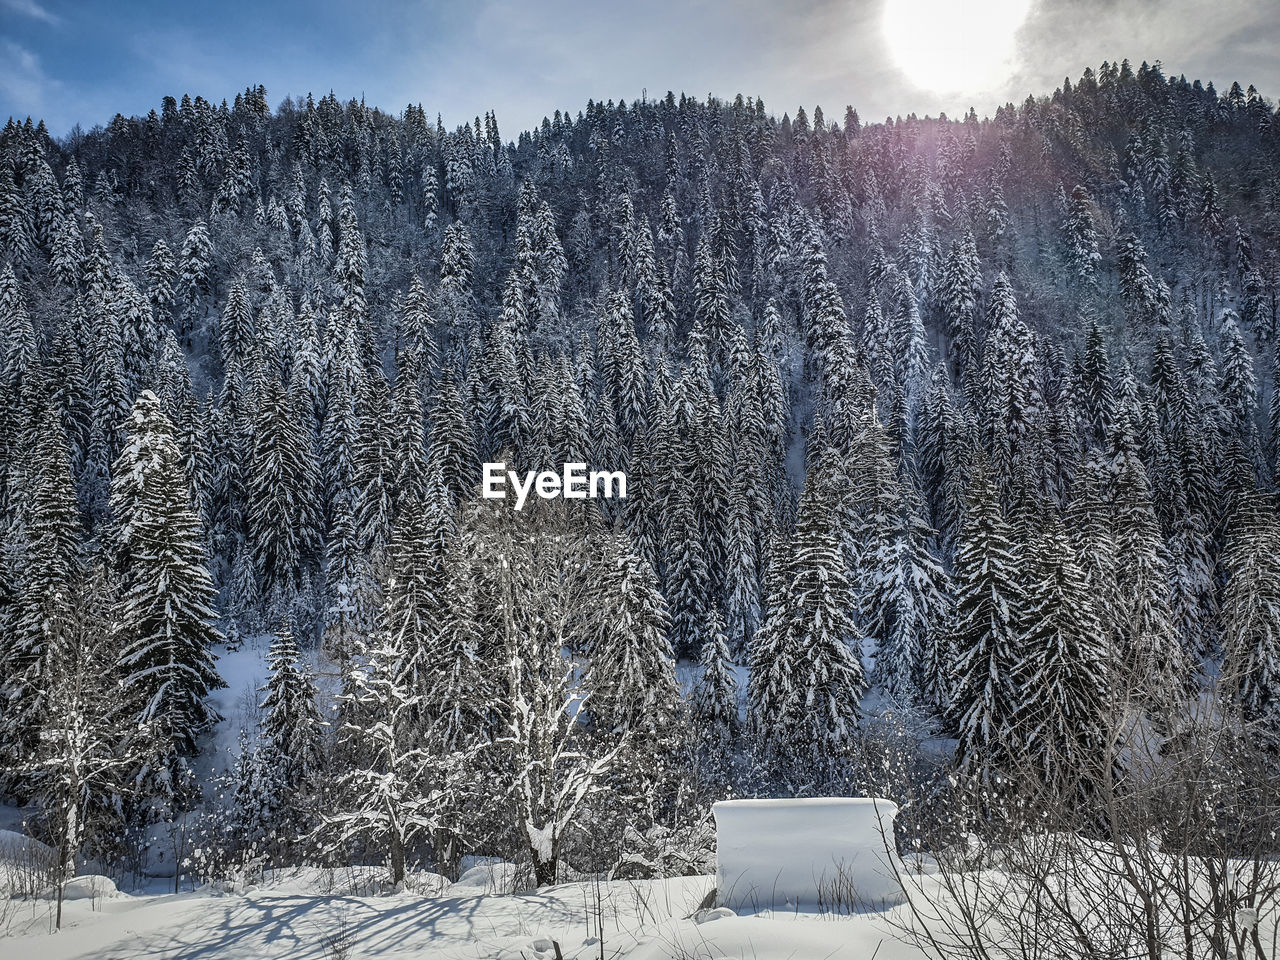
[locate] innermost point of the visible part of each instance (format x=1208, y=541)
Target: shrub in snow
x=659, y=851
x=816, y=852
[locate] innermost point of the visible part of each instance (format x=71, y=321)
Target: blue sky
x=75, y=62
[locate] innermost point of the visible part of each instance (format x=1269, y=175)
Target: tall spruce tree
x=292, y=726
x=1065, y=709
x=164, y=616
x=632, y=671
x=988, y=622
x=807, y=676
x=1251, y=614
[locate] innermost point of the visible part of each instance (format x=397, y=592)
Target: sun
x=954, y=46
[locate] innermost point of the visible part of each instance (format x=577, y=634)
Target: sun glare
x=953, y=46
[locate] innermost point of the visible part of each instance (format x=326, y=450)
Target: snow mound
x=14, y=845
x=26, y=864
x=91, y=886
x=353, y=881
x=487, y=877
x=823, y=852
x=785, y=937
x=543, y=948
x=712, y=913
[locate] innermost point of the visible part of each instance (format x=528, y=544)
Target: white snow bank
x=26, y=864
x=348, y=881
x=827, y=852
x=486, y=877
x=91, y=886
x=783, y=937
x=641, y=920
x=14, y=844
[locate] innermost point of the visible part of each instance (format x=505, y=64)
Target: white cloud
x=29, y=8
x=1208, y=44
x=22, y=81
x=26, y=90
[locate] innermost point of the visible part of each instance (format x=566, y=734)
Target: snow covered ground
x=325, y=914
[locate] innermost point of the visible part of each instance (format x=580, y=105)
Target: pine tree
x=959, y=288
x=418, y=325
x=163, y=618
x=715, y=697
x=457, y=261
x=1063, y=673
x=283, y=514
x=235, y=328
x=1145, y=637
x=742, y=579
x=250, y=819
x=1093, y=388
x=17, y=244
x=460, y=691
x=911, y=347
x=907, y=599
x=985, y=636
x=349, y=271
x=689, y=596
x=1082, y=237
x=292, y=727
x=934, y=430
x=197, y=260
x=67, y=261
x=161, y=272
x=459, y=694
x=807, y=677
x=413, y=605
x=1251, y=614
x=622, y=364
x=1147, y=296
x=339, y=434
x=1239, y=389
x=41, y=612
x=1013, y=397
x=632, y=671
x=452, y=445
x=826, y=324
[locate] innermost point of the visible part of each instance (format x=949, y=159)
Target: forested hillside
x=938, y=433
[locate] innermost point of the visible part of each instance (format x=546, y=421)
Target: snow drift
x=85, y=887
x=817, y=852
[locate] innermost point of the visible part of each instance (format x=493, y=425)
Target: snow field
x=293, y=917
x=323, y=913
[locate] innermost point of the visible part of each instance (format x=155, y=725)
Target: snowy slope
x=245, y=672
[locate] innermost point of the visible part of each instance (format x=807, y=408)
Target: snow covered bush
x=662, y=851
